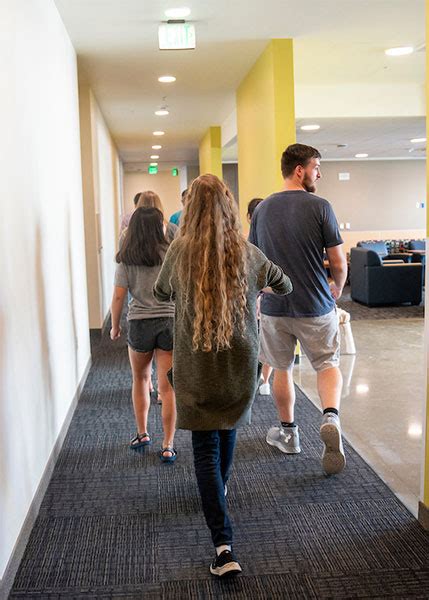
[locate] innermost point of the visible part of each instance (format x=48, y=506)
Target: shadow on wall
x=71, y=279
x=44, y=357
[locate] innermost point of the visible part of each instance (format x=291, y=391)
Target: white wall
x=163, y=183
x=44, y=342
x=380, y=195
x=102, y=192
x=107, y=201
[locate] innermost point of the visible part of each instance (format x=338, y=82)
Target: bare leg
x=284, y=394
x=266, y=373
x=140, y=365
x=164, y=361
x=329, y=386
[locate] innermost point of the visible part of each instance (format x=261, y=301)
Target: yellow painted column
x=265, y=122
x=210, y=152
x=424, y=503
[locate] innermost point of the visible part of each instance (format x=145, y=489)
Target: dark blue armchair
x=374, y=282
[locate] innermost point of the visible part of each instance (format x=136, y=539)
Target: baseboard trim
x=12, y=566
x=423, y=515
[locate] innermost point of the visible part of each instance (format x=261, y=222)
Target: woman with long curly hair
x=150, y=323
x=214, y=276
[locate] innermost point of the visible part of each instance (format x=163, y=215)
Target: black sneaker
x=225, y=565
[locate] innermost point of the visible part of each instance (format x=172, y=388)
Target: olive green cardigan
x=215, y=390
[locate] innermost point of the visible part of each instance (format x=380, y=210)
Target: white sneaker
x=286, y=439
x=264, y=389
x=333, y=457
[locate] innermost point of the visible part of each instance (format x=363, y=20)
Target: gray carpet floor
x=116, y=523
x=360, y=312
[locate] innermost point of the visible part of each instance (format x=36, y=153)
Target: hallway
x=119, y=524
x=97, y=111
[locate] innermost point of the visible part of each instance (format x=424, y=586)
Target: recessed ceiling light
x=399, y=51
x=167, y=79
x=177, y=13
x=153, y=164
x=310, y=127
x=156, y=147
x=162, y=112
x=418, y=140
x=154, y=156
x=158, y=133
x=361, y=155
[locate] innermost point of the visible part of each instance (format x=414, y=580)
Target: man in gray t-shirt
x=294, y=228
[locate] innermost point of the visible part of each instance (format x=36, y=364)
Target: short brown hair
x=295, y=155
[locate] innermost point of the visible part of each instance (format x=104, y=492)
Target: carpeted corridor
x=116, y=523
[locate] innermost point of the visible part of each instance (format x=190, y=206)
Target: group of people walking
x=194, y=292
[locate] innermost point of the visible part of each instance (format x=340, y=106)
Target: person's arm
x=338, y=268
x=277, y=282
x=119, y=294
x=162, y=290
x=271, y=278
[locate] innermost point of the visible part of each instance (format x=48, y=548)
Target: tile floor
x=383, y=397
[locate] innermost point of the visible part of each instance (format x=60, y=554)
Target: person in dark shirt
x=251, y=207
x=294, y=228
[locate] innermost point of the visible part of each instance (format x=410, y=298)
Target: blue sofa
x=374, y=282
x=381, y=248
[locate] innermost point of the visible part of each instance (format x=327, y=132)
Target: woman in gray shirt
x=214, y=276
x=150, y=322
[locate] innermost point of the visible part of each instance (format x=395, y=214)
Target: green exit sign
x=152, y=170
x=175, y=172
x=176, y=36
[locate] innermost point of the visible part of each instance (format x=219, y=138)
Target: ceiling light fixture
x=177, y=13
x=156, y=147
x=161, y=112
x=399, y=51
x=158, y=132
x=310, y=127
x=418, y=140
x=154, y=156
x=361, y=155
x=166, y=79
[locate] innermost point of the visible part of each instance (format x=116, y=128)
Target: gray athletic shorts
x=319, y=338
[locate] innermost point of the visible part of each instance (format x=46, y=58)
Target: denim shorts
x=146, y=335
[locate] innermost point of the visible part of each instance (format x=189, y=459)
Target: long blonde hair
x=212, y=264
x=149, y=199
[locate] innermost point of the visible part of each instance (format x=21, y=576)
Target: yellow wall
x=210, y=153
x=265, y=122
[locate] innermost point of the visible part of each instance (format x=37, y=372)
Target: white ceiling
x=377, y=136
x=335, y=42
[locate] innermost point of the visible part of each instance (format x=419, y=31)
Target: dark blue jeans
x=213, y=453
